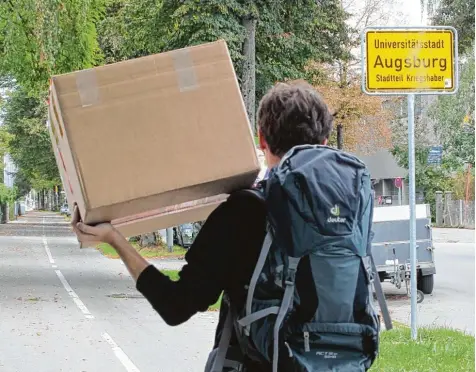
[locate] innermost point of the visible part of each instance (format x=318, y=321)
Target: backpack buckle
x=290, y=272
x=370, y=275
x=290, y=277
x=369, y=272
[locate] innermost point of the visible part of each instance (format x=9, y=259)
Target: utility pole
x=170, y=239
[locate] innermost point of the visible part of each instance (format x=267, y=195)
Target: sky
x=412, y=12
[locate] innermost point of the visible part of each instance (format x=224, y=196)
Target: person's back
x=224, y=255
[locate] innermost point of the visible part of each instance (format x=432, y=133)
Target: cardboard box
x=137, y=136
x=162, y=218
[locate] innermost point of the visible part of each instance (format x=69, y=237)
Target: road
x=452, y=303
x=68, y=309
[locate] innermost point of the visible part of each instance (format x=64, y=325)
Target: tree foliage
x=364, y=120
x=454, y=117
x=7, y=195
x=39, y=38
x=28, y=139
x=456, y=13
x=289, y=34
x=428, y=178
x=453, y=120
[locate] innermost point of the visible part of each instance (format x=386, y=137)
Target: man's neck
x=273, y=161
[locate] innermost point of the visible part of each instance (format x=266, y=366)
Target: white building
x=9, y=171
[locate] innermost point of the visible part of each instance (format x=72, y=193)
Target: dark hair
x=293, y=114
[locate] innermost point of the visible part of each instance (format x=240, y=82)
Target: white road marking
x=48, y=252
x=74, y=296
x=36, y=239
x=120, y=354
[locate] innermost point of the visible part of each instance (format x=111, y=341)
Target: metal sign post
x=412, y=202
x=399, y=184
x=409, y=61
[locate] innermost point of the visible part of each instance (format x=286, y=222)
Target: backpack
x=319, y=203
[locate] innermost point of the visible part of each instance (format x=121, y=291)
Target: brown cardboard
x=163, y=218
x=140, y=135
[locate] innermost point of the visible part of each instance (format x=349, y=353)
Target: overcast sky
x=412, y=12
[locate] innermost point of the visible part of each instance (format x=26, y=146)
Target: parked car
x=185, y=234
x=65, y=210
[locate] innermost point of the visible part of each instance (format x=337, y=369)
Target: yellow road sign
x=410, y=61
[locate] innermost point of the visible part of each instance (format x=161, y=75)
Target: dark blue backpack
x=319, y=202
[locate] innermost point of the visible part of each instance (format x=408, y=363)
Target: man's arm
x=210, y=261
x=134, y=262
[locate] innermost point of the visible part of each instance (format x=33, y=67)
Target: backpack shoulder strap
x=380, y=296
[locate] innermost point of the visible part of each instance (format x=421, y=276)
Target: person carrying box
x=292, y=256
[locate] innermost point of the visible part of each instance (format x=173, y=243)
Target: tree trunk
x=340, y=136
x=41, y=200
x=148, y=240
x=248, y=78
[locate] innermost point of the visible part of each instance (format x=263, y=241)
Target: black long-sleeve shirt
x=222, y=257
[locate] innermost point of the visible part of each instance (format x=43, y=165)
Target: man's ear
x=261, y=141
x=325, y=142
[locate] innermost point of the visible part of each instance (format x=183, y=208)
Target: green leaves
x=39, y=38
x=454, y=117
x=456, y=13
x=46, y=37
x=26, y=137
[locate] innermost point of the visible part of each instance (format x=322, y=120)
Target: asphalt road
x=67, y=309
x=452, y=303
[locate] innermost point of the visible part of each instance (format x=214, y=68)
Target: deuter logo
x=327, y=354
x=335, y=211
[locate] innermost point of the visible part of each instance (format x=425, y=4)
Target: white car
x=65, y=210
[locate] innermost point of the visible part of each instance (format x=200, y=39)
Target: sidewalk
x=453, y=235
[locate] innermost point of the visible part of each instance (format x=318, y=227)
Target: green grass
x=153, y=252
x=174, y=275
x=437, y=349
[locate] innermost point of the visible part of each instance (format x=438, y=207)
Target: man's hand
x=103, y=232
x=106, y=233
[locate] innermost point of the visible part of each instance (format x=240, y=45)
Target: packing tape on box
x=87, y=85
x=183, y=63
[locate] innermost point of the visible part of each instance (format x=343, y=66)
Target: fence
x=454, y=213
x=458, y=213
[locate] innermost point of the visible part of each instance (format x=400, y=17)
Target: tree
x=456, y=13
x=44, y=37
x=131, y=29
x=454, y=117
x=361, y=117
x=38, y=39
x=361, y=121
x=287, y=35
x=453, y=123
x=27, y=139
